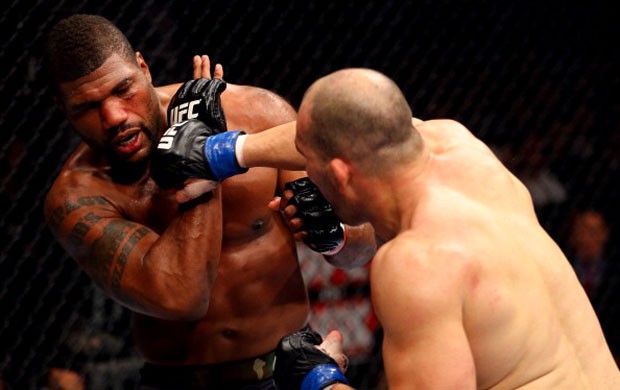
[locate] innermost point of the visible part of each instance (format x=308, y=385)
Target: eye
x=124, y=92
x=124, y=89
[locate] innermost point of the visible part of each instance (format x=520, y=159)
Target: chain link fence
x=538, y=81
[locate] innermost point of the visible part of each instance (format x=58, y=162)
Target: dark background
x=509, y=71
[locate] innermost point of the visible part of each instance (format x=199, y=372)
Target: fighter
x=470, y=290
x=211, y=275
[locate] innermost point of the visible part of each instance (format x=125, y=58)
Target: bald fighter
x=209, y=271
x=470, y=290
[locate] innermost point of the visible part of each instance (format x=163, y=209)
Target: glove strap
x=337, y=249
x=220, y=154
x=322, y=376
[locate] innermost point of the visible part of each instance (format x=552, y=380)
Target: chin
x=140, y=156
x=136, y=158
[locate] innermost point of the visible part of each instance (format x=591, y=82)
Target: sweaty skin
x=477, y=286
x=202, y=293
x=470, y=290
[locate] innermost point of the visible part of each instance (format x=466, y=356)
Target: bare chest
x=244, y=204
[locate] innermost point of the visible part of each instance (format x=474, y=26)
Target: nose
x=112, y=113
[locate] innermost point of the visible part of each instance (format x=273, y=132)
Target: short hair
x=361, y=115
x=79, y=44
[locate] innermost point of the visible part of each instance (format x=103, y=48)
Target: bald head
x=361, y=115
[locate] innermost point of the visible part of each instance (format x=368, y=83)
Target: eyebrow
x=117, y=88
x=122, y=84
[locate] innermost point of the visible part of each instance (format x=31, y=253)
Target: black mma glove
x=326, y=233
x=300, y=365
x=199, y=99
x=191, y=149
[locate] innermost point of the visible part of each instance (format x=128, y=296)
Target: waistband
x=247, y=370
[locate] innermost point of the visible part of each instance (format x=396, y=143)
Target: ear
x=342, y=173
x=143, y=66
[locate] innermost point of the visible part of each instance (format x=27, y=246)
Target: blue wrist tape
x=323, y=375
x=220, y=154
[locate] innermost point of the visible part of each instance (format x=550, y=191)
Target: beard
x=148, y=138
x=128, y=169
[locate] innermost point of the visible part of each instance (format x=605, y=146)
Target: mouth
x=128, y=142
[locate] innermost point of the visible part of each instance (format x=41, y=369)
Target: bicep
x=425, y=344
x=434, y=356
x=104, y=244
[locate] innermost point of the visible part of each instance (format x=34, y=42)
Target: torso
x=528, y=321
x=259, y=294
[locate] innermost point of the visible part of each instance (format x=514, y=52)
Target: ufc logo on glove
x=183, y=112
x=165, y=141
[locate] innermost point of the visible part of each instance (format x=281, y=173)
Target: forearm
x=359, y=248
x=339, y=386
x=274, y=148
x=178, y=271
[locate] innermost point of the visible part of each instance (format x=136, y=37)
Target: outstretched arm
x=274, y=148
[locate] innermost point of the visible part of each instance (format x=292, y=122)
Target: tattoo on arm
x=105, y=247
x=82, y=227
x=108, y=253
x=107, y=265
x=119, y=268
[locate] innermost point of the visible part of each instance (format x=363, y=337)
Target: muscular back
x=486, y=279
x=258, y=294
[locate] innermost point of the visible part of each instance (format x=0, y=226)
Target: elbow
x=181, y=307
x=191, y=312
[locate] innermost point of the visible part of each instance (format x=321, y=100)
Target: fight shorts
x=248, y=374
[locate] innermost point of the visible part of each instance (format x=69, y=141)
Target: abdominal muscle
x=258, y=297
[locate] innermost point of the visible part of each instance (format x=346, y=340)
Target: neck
x=124, y=173
x=396, y=198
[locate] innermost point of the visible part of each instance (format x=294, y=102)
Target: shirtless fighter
x=470, y=290
x=214, y=282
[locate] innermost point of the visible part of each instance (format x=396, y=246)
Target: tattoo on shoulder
x=81, y=228
x=60, y=212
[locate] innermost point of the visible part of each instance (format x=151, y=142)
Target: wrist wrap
x=220, y=153
x=321, y=376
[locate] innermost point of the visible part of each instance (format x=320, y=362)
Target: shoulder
x=251, y=92
x=255, y=109
x=246, y=107
x=444, y=127
x=417, y=266
x=446, y=134
x=166, y=92
x=256, y=97
x=77, y=186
